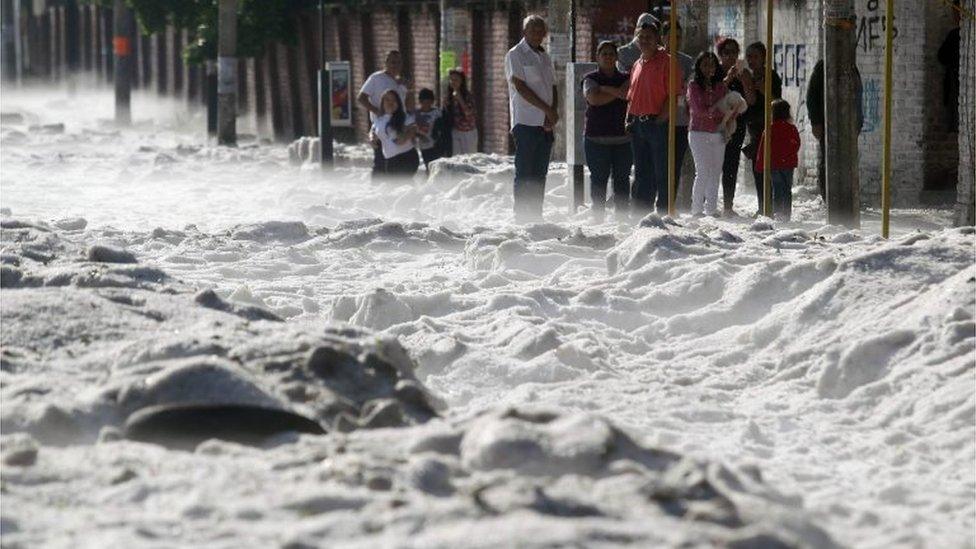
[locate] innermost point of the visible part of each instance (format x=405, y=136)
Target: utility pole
x=325, y=99
x=886, y=136
x=767, y=189
x=227, y=72
x=123, y=26
x=577, y=165
x=840, y=94
x=672, y=104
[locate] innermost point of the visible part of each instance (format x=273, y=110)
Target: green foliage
x=258, y=23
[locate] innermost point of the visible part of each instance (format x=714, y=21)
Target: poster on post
x=340, y=76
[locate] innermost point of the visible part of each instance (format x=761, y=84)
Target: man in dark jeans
x=815, y=111
x=647, y=118
x=533, y=104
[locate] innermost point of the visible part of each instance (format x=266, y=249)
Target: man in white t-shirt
x=534, y=111
x=372, y=92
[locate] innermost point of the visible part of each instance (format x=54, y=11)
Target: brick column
x=361, y=40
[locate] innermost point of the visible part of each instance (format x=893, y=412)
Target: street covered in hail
x=335, y=361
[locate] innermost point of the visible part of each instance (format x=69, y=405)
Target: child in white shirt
x=395, y=131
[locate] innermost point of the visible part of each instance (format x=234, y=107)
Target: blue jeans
x=680, y=148
x=782, y=181
x=533, y=147
x=605, y=161
x=650, y=147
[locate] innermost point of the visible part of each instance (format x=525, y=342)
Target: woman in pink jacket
x=705, y=136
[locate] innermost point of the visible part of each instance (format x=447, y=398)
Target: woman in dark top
x=460, y=111
x=606, y=142
x=737, y=79
x=755, y=116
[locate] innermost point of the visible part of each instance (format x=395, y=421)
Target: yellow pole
x=768, y=92
x=672, y=104
x=886, y=139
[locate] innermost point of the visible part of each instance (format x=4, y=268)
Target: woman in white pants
x=705, y=137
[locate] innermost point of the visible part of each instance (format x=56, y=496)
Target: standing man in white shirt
x=533, y=104
x=371, y=96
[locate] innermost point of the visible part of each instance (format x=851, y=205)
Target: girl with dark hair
x=705, y=137
x=605, y=139
x=459, y=107
x=395, y=130
x=784, y=145
x=736, y=78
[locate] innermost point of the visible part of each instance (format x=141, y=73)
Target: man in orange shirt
x=647, y=117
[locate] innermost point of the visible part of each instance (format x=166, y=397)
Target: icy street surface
x=706, y=382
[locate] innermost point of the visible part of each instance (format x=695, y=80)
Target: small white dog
x=731, y=106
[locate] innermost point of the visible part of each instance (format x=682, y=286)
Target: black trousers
x=680, y=148
x=730, y=166
x=379, y=164
x=403, y=165
x=430, y=155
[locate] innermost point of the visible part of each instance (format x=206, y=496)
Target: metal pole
x=578, y=183
x=438, y=84
x=672, y=104
x=326, y=153
x=840, y=95
x=768, y=97
x=124, y=26
x=886, y=139
x=227, y=72
x=572, y=31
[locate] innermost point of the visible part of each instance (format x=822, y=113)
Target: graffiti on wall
x=790, y=61
x=728, y=22
x=871, y=103
x=871, y=28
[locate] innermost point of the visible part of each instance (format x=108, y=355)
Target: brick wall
x=423, y=54
x=908, y=102
x=385, y=37
x=941, y=150
x=495, y=128
x=354, y=23
x=585, y=43
x=305, y=55
x=924, y=154
x=796, y=47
